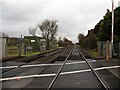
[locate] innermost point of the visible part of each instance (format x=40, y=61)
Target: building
x=34, y=43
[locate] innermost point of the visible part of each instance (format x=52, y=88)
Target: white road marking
x=25, y=66
x=8, y=67
x=109, y=67
x=53, y=74
x=80, y=62
x=38, y=65
x=78, y=71
x=29, y=76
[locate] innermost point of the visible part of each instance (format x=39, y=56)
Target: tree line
x=64, y=42
x=102, y=31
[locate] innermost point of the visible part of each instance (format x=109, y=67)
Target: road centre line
x=53, y=74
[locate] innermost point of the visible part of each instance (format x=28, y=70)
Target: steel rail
x=58, y=73
x=92, y=69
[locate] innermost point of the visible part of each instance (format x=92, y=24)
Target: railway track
x=75, y=71
x=27, y=61
x=78, y=52
x=92, y=69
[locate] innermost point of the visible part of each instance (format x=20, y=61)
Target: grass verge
x=93, y=53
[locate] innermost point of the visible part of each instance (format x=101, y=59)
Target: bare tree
x=49, y=30
x=32, y=31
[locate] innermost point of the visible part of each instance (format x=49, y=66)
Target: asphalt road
x=77, y=79
x=75, y=74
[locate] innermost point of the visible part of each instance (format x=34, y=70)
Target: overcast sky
x=73, y=16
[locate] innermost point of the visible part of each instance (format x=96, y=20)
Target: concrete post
x=6, y=47
x=98, y=45
x=3, y=47
x=20, y=47
x=107, y=50
x=110, y=50
x=103, y=49
x=119, y=50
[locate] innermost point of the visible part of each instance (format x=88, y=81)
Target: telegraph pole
x=112, y=21
x=112, y=32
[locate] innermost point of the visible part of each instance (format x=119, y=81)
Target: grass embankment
x=93, y=53
x=13, y=51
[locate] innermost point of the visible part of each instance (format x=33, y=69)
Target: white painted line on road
x=80, y=62
x=72, y=72
x=26, y=66
x=53, y=74
x=38, y=65
x=109, y=67
x=8, y=67
x=46, y=75
x=29, y=76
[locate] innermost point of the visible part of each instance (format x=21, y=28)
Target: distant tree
x=32, y=31
x=88, y=41
x=60, y=42
x=103, y=28
x=49, y=30
x=91, y=40
x=81, y=38
x=102, y=31
x=64, y=42
x=117, y=25
x=67, y=42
